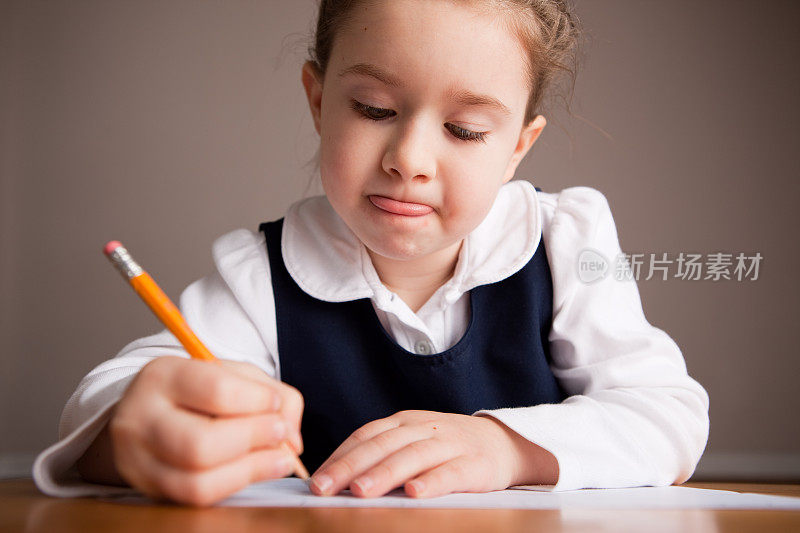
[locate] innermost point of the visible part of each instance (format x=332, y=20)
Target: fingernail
x=364, y=484
x=323, y=482
x=416, y=487
x=279, y=429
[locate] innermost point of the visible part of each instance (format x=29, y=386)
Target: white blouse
x=633, y=417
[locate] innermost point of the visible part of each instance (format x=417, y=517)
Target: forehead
x=436, y=46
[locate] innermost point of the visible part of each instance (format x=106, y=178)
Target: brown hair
x=548, y=30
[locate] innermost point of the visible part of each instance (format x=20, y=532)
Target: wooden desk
x=23, y=508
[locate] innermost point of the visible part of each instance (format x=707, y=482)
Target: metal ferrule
x=123, y=262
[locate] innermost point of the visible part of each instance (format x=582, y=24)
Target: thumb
x=248, y=370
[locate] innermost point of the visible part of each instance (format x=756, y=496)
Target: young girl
x=421, y=325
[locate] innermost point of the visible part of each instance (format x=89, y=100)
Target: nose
x=410, y=153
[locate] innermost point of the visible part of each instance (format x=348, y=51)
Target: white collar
x=328, y=262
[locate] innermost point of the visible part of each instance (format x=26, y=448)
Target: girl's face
x=420, y=118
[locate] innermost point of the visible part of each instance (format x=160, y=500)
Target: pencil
x=170, y=316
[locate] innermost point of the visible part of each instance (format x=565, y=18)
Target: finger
x=210, y=486
x=340, y=472
x=292, y=405
x=406, y=463
x=362, y=434
x=291, y=399
x=131, y=461
x=462, y=474
x=216, y=390
x=192, y=441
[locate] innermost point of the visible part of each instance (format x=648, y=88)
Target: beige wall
x=166, y=124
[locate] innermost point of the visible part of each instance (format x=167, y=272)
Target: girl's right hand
x=195, y=432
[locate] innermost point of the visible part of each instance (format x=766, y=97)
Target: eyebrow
x=365, y=69
x=461, y=96
x=467, y=98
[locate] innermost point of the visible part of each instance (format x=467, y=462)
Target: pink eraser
x=111, y=246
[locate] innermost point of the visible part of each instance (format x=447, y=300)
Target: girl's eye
x=467, y=135
x=377, y=113
x=374, y=113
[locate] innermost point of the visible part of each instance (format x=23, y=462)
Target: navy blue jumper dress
x=350, y=371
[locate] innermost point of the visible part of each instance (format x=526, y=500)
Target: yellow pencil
x=165, y=310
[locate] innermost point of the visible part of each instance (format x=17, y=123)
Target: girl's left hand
x=433, y=454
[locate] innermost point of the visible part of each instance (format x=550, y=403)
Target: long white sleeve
x=634, y=417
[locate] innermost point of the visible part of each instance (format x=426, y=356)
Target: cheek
x=343, y=174
x=341, y=166
x=345, y=148
x=466, y=206
x=470, y=195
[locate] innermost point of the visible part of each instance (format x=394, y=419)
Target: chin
x=399, y=251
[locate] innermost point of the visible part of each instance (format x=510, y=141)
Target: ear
x=312, y=81
x=527, y=137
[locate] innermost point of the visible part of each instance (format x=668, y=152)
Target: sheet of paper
x=293, y=492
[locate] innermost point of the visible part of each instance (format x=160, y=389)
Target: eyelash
x=460, y=133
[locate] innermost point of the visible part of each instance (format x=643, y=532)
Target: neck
x=416, y=280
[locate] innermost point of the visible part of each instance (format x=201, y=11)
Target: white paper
x=293, y=492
